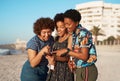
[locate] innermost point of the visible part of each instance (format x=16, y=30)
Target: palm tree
x=96, y=32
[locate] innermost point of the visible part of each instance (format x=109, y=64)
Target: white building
x=20, y=44
x=104, y=15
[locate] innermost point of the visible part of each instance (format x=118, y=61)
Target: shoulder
x=33, y=40
x=32, y=43
x=85, y=32
x=84, y=29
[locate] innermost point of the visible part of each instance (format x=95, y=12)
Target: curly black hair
x=73, y=14
x=59, y=17
x=43, y=23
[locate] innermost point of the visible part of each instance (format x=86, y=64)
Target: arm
x=69, y=46
x=84, y=51
x=80, y=55
x=63, y=51
x=92, y=51
x=35, y=58
x=70, y=42
x=62, y=59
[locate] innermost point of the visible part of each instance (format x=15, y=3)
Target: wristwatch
x=68, y=50
x=66, y=53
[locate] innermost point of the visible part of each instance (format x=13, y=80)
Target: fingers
x=54, y=52
x=48, y=47
x=47, y=56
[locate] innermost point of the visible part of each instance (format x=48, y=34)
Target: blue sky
x=17, y=16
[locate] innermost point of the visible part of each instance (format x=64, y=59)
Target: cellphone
x=52, y=53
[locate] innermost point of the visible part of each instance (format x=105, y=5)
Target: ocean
x=10, y=52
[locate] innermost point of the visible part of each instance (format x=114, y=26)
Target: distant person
x=83, y=51
x=35, y=68
x=61, y=70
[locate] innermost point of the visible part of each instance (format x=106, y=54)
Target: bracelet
x=51, y=67
x=68, y=50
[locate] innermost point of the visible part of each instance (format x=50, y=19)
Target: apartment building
x=104, y=15
x=20, y=44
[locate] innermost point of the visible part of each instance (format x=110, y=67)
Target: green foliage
x=96, y=31
x=110, y=39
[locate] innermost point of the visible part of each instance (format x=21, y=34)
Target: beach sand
x=10, y=67
x=108, y=64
